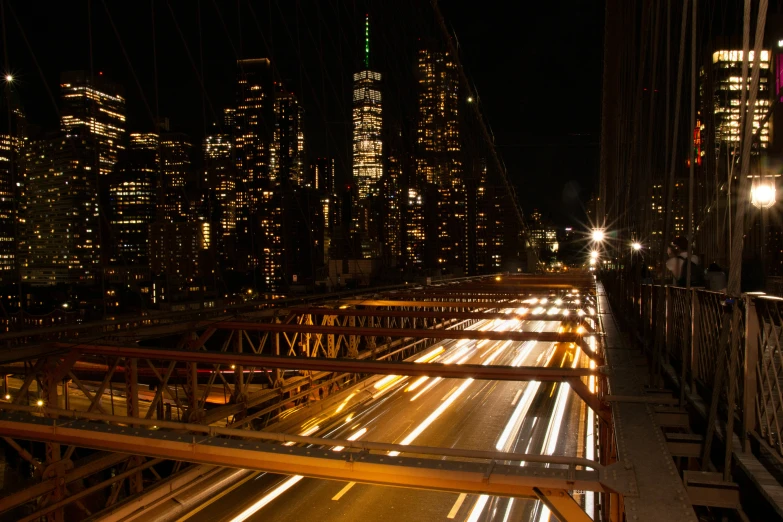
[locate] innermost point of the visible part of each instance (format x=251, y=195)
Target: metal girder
x=552, y=337
x=491, y=478
x=562, y=505
x=461, y=371
x=82, y=470
x=419, y=314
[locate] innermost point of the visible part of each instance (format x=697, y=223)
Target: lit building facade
x=12, y=161
x=62, y=218
x=287, y=153
x=99, y=105
x=367, y=124
x=413, y=253
x=437, y=132
x=721, y=92
x=439, y=159
x=220, y=177
x=132, y=196
x=323, y=175
x=176, y=166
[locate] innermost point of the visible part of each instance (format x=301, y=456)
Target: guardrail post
x=695, y=337
x=749, y=364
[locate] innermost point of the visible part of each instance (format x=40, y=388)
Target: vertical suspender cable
x=748, y=110
x=675, y=134
x=96, y=147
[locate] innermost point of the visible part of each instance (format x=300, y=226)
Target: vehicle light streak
x=342, y=405
x=287, y=484
x=352, y=437
x=434, y=415
x=478, y=508
x=553, y=311
x=518, y=416
x=266, y=499
x=415, y=384
x=538, y=310
x=430, y=356
x=496, y=353
x=424, y=390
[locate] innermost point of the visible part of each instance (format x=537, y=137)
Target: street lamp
x=598, y=235
x=594, y=254
x=636, y=246
x=762, y=195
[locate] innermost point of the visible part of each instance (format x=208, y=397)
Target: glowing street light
x=598, y=235
x=9, y=78
x=470, y=99
x=762, y=195
x=636, y=246
x=594, y=254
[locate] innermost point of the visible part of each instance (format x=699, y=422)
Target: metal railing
x=721, y=347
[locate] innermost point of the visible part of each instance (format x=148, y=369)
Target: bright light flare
x=636, y=246
x=594, y=254
x=7, y=396
x=39, y=402
x=598, y=235
x=553, y=311
x=763, y=195
x=9, y=78
x=558, y=301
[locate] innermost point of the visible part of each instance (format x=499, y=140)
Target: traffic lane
x=475, y=422
x=394, y=401
x=394, y=408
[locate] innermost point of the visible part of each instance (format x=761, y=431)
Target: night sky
x=537, y=70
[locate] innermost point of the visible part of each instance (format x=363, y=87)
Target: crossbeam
x=490, y=478
x=415, y=333
x=461, y=371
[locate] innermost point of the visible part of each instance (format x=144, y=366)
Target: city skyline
x=317, y=66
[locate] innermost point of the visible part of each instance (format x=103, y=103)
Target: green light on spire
x=367, y=41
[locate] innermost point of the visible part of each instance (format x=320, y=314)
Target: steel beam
x=552, y=337
x=491, y=478
x=461, y=371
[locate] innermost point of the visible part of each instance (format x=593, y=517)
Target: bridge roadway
x=484, y=415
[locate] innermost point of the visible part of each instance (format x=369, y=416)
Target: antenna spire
x=367, y=41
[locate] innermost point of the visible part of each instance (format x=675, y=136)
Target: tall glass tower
x=99, y=105
x=367, y=123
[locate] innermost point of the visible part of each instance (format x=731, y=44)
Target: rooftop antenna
x=367, y=41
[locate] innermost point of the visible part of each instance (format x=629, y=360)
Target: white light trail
x=266, y=499
x=478, y=508
x=434, y=415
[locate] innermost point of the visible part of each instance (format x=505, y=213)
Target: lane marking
x=458, y=504
x=343, y=491
x=516, y=397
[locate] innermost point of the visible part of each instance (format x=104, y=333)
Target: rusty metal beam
x=82, y=470
x=461, y=371
x=420, y=314
x=552, y=337
x=425, y=473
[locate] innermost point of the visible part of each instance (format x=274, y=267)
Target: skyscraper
x=12, y=149
x=437, y=133
x=61, y=211
x=286, y=157
x=253, y=122
x=176, y=165
x=367, y=123
x=98, y=104
x=721, y=92
x=219, y=176
x=323, y=175
x=439, y=159
x=132, y=196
